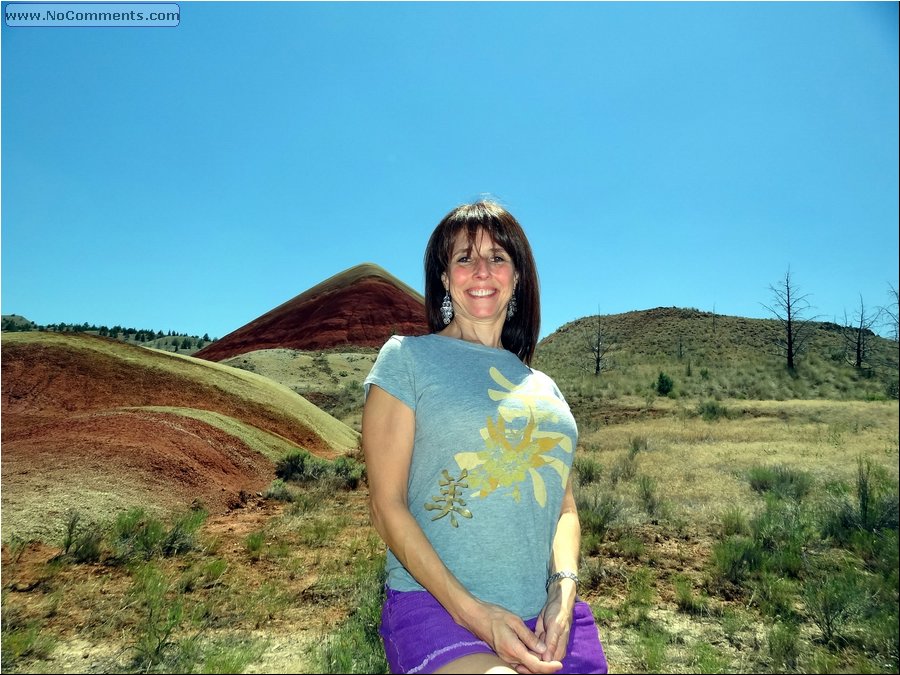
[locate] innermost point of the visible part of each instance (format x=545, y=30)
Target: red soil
x=64, y=425
x=364, y=313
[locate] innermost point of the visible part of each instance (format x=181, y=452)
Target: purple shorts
x=420, y=636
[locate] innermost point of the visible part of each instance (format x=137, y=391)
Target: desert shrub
x=636, y=444
x=136, y=534
x=82, y=542
x=587, y=469
x=624, y=469
x=879, y=551
x=591, y=573
x=880, y=636
x=651, y=650
x=598, y=511
x=782, y=481
x=356, y=647
x=70, y=530
x=734, y=558
x=708, y=659
x=780, y=531
x=734, y=521
x=318, y=532
x=648, y=495
x=181, y=536
x=685, y=599
x=302, y=467
x=664, y=384
x=775, y=596
x=348, y=472
x=161, y=612
x=833, y=599
x=279, y=491
x=24, y=642
x=784, y=645
x=631, y=547
x=874, y=510
x=635, y=611
x=254, y=542
x=712, y=411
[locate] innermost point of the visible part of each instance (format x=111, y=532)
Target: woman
x=468, y=454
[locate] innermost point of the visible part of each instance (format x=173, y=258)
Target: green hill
x=709, y=355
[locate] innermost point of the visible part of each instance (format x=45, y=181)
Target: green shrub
x=712, y=411
x=598, y=511
x=356, y=647
x=624, y=469
x=181, y=536
x=587, y=469
x=685, y=599
x=162, y=611
x=348, y=472
x=664, y=384
x=874, y=510
x=782, y=481
x=833, y=599
x=775, y=596
x=254, y=542
x=631, y=547
x=302, y=467
x=709, y=659
x=781, y=530
x=279, y=491
x=137, y=534
x=635, y=611
x=734, y=521
x=650, y=650
x=648, y=495
x=734, y=558
x=784, y=647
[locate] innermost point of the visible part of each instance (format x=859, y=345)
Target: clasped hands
x=540, y=651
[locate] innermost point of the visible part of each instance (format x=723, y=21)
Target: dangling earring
x=447, y=308
x=511, y=306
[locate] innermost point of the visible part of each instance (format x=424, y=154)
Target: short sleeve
x=393, y=372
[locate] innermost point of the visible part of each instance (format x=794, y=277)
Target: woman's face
x=481, y=279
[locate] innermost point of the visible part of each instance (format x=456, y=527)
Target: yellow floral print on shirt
x=513, y=454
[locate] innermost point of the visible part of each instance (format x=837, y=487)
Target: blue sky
x=671, y=154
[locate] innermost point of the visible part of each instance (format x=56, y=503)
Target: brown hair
x=520, y=333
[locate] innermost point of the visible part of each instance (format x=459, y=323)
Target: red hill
x=360, y=307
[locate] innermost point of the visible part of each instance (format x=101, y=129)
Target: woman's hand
x=555, y=620
x=513, y=642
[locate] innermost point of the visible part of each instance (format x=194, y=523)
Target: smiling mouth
x=481, y=292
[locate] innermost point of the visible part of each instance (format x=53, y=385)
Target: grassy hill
x=99, y=425
x=710, y=356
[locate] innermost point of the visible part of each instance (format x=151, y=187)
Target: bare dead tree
x=600, y=347
x=892, y=356
x=789, y=307
x=889, y=315
x=858, y=335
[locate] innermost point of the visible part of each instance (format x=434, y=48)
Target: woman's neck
x=486, y=334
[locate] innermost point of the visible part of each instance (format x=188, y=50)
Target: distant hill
x=15, y=322
x=170, y=341
x=360, y=307
x=711, y=356
x=96, y=425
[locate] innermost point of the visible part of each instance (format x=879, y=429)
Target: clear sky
x=193, y=178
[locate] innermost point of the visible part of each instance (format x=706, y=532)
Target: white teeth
x=481, y=292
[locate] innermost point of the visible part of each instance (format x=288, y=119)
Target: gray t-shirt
x=493, y=448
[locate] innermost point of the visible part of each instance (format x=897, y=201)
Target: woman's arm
x=555, y=620
x=388, y=432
